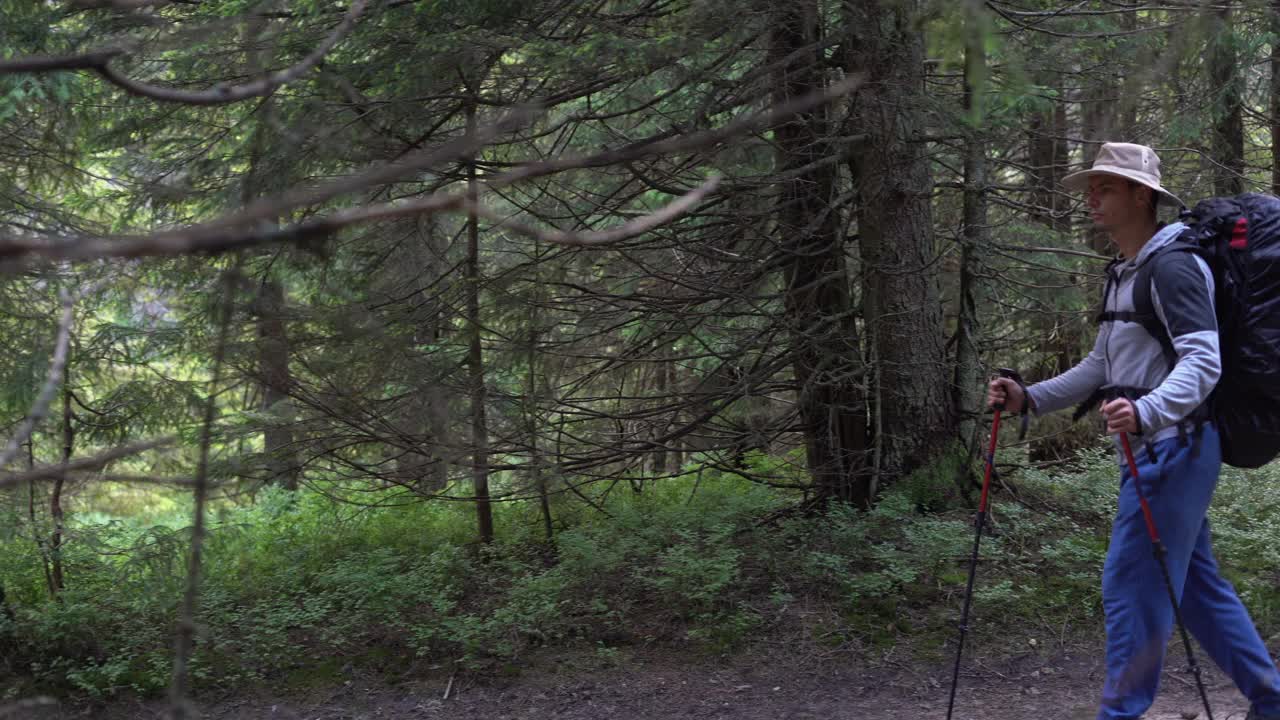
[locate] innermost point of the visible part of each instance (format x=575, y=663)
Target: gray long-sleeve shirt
x=1126, y=355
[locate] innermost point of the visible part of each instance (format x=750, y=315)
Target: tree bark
x=1275, y=97
x=969, y=390
x=1227, y=149
x=533, y=401
x=662, y=389
x=273, y=369
x=824, y=337
x=57, y=583
x=901, y=304
x=272, y=348
x=475, y=355
x=35, y=530
x=1049, y=159
x=422, y=460
x=5, y=611
x=1048, y=155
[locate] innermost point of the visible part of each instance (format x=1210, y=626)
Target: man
x=1156, y=391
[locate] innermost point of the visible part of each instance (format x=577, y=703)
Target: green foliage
x=297, y=576
x=299, y=588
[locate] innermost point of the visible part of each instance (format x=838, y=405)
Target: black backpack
x=1239, y=237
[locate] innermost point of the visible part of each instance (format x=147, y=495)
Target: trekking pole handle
x=1011, y=374
x=1008, y=374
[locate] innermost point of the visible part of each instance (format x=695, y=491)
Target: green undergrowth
x=299, y=590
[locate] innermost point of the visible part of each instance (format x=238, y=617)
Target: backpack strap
x=1144, y=310
x=1144, y=314
x=1110, y=272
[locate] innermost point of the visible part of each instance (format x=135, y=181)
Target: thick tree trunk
x=901, y=304
x=274, y=378
x=1049, y=160
x=969, y=390
x=1048, y=155
x=1098, y=113
x=819, y=309
x=1227, y=149
x=273, y=370
x=421, y=458
x=1275, y=97
x=475, y=356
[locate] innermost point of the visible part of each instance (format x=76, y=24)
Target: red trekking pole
x=1160, y=552
x=979, y=521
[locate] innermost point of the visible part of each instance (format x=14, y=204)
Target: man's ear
x=1149, y=195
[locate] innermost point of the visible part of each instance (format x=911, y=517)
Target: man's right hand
x=1005, y=391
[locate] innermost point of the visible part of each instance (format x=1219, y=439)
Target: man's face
x=1114, y=202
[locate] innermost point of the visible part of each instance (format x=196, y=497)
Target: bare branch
x=57, y=368
x=230, y=232
x=125, y=4
x=221, y=240
x=233, y=231
x=683, y=143
x=202, y=239
x=93, y=462
x=100, y=62
x=151, y=480
x=1078, y=36
x=222, y=94
x=628, y=230
x=52, y=63
x=274, y=207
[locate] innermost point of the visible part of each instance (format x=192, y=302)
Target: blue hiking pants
x=1178, y=485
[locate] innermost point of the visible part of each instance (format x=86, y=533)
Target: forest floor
x=772, y=685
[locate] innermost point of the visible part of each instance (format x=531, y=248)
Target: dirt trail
x=753, y=688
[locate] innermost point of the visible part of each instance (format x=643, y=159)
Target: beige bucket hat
x=1138, y=163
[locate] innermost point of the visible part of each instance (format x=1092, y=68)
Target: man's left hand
x=1121, y=416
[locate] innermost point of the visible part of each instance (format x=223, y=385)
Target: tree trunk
x=57, y=582
x=533, y=400
x=35, y=529
x=901, y=304
x=475, y=356
x=273, y=369
x=1098, y=113
x=676, y=453
x=1049, y=160
x=422, y=461
x=1227, y=149
x=825, y=346
x=662, y=389
x=969, y=390
x=1275, y=97
x=274, y=377
x=5, y=611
